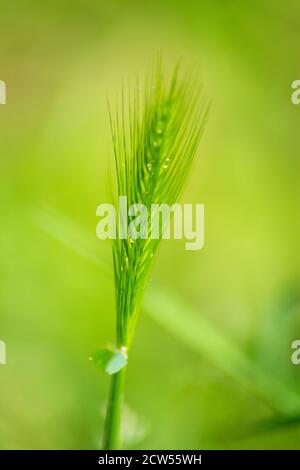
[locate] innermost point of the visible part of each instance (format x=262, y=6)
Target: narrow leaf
x=117, y=362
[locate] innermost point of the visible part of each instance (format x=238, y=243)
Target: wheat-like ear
x=155, y=136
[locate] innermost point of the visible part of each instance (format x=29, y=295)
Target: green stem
x=112, y=431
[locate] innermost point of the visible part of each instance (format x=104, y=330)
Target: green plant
x=155, y=137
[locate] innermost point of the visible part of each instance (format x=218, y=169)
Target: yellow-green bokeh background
x=60, y=60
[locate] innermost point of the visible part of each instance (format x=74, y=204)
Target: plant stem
x=112, y=431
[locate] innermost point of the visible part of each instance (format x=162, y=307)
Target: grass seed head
x=156, y=131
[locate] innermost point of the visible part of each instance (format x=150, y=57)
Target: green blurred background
x=210, y=366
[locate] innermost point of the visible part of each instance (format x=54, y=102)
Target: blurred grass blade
x=273, y=425
x=194, y=330
x=71, y=235
x=267, y=426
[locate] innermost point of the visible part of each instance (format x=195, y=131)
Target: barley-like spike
x=155, y=137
